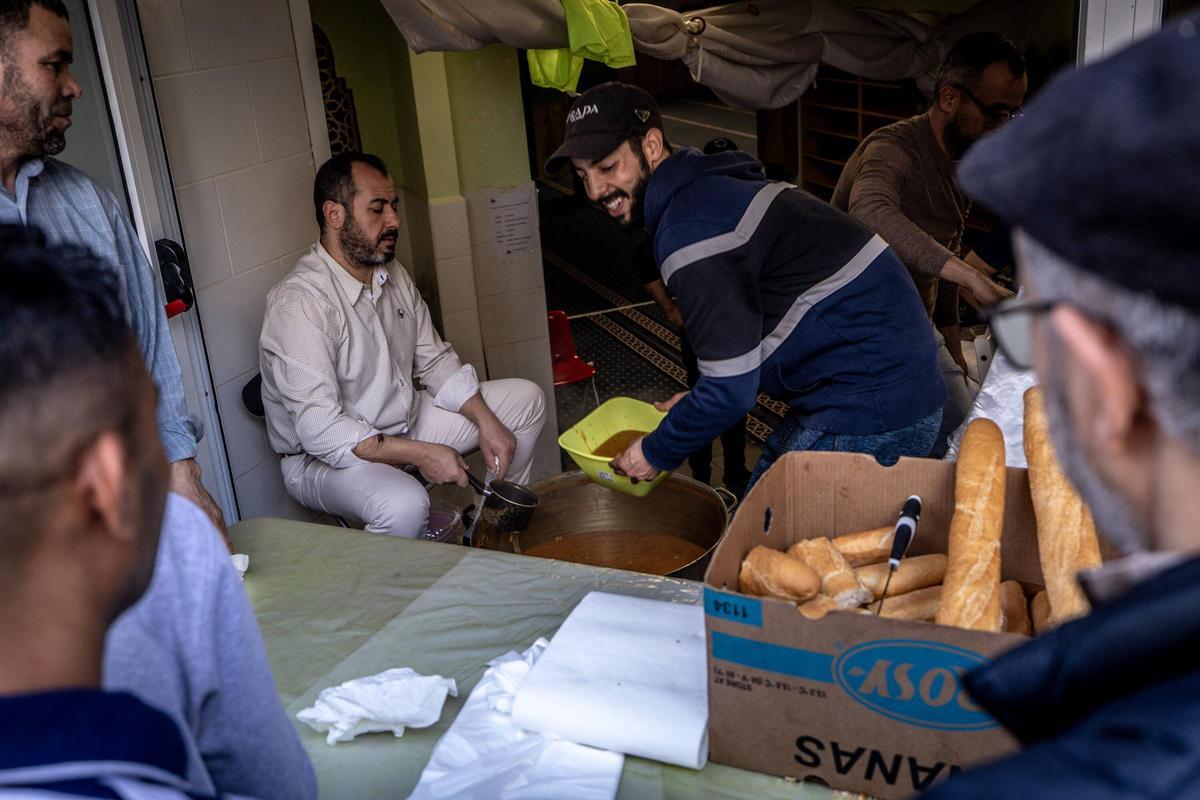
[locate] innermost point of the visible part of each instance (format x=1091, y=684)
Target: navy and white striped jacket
x=90, y=743
x=782, y=293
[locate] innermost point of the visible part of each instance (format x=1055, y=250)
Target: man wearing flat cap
x=779, y=292
x=1099, y=180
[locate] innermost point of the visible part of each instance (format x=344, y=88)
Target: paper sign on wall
x=512, y=221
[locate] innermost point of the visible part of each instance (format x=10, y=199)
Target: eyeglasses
x=1012, y=325
x=995, y=114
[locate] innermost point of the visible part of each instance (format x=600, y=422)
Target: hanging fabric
x=755, y=55
x=596, y=30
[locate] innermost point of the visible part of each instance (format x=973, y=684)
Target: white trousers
x=390, y=500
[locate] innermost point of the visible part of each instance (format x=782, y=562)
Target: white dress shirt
x=338, y=359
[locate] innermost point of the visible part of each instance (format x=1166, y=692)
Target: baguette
x=1039, y=613
x=1015, y=608
x=913, y=573
x=971, y=597
x=865, y=547
x=921, y=605
x=838, y=580
x=818, y=607
x=1067, y=542
x=770, y=573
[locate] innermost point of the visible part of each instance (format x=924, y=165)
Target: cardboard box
x=853, y=701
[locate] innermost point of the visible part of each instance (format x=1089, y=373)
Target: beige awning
x=755, y=55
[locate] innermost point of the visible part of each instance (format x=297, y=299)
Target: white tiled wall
x=450, y=242
x=229, y=99
x=512, y=315
x=414, y=247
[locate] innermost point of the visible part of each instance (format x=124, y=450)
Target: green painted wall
x=489, y=118
x=435, y=124
x=372, y=56
x=446, y=123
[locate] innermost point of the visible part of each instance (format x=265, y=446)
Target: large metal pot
x=571, y=504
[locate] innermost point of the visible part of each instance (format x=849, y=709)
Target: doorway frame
x=129, y=88
x=1106, y=26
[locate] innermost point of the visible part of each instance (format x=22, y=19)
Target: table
x=335, y=604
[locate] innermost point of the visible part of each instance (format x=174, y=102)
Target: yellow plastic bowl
x=612, y=417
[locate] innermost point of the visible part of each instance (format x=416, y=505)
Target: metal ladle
x=512, y=506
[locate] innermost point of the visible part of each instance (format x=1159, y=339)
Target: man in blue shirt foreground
x=1099, y=180
x=780, y=293
x=83, y=482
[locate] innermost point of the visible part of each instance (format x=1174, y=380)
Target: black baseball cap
x=603, y=117
x=1102, y=168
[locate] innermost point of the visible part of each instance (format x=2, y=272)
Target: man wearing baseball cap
x=1099, y=180
x=779, y=291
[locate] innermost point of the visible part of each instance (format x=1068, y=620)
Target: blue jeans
x=915, y=440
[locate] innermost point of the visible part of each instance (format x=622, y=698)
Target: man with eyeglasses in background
x=901, y=184
x=1107, y=706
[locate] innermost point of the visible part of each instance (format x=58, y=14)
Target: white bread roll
x=770, y=573
x=865, y=547
x=1039, y=613
x=1015, y=608
x=818, y=607
x=921, y=605
x=838, y=580
x=1067, y=542
x=913, y=573
x=971, y=597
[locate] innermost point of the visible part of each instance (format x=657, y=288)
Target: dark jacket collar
x=1145, y=637
x=87, y=725
x=686, y=165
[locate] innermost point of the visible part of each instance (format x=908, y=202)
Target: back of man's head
x=974, y=53
x=14, y=18
x=335, y=181
x=80, y=448
x=1119, y=261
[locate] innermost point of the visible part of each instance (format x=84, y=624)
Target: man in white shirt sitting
x=344, y=336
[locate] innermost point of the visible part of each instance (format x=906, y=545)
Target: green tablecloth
x=335, y=604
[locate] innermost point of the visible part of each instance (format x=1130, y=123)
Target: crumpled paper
x=241, y=563
x=390, y=701
x=485, y=756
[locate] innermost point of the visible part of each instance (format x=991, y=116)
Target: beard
x=957, y=137
x=361, y=249
x=147, y=481
x=147, y=506
x=637, y=199
x=1115, y=517
x=23, y=126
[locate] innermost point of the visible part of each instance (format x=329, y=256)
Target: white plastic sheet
x=1002, y=400
x=487, y=756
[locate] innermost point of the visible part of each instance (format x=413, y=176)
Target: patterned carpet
x=614, y=323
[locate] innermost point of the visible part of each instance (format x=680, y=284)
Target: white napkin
x=241, y=563
x=485, y=756
x=390, y=701
x=625, y=674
